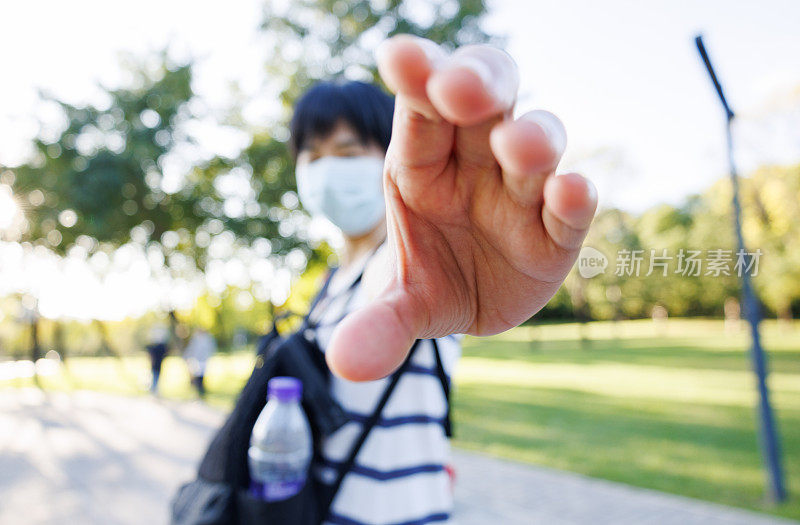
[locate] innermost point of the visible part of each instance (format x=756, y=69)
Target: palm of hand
x=481, y=233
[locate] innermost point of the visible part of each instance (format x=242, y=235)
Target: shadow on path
x=94, y=458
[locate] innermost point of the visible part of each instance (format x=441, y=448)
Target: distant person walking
x=157, y=349
x=200, y=348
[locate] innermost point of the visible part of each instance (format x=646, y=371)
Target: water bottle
x=280, y=444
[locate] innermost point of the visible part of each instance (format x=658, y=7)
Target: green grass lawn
x=668, y=407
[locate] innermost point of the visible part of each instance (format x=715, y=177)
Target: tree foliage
x=100, y=181
x=771, y=224
x=100, y=176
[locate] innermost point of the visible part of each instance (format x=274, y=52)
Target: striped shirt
x=399, y=476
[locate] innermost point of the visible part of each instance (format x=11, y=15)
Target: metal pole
x=768, y=434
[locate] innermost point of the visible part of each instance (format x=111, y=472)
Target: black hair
x=365, y=107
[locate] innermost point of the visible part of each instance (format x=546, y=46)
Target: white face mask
x=348, y=191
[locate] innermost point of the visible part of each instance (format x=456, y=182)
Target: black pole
x=770, y=443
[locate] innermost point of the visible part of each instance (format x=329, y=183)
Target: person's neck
x=357, y=247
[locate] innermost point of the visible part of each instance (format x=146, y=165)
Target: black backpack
x=219, y=495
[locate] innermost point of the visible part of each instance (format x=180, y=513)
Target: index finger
x=420, y=136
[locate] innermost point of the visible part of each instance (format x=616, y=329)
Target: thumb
x=373, y=341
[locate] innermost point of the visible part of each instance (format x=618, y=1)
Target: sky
x=642, y=118
x=625, y=77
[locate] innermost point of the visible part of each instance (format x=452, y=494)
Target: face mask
x=348, y=191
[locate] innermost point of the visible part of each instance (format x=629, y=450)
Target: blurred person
x=453, y=222
x=198, y=351
x=157, y=349
x=733, y=315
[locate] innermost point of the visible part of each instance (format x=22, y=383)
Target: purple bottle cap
x=284, y=389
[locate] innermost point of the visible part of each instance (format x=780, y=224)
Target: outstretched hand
x=481, y=231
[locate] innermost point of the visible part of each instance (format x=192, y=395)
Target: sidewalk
x=101, y=459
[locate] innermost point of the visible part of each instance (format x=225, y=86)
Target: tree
x=102, y=179
x=109, y=177
x=771, y=199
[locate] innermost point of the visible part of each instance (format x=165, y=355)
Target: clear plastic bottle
x=280, y=444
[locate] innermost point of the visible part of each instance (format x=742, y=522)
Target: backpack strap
x=322, y=291
x=368, y=425
x=265, y=342
x=350, y=290
x=448, y=425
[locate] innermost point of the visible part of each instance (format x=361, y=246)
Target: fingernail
x=591, y=191
x=494, y=67
x=380, y=51
x=436, y=55
x=552, y=127
x=475, y=65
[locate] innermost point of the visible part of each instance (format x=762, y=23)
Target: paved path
x=94, y=459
